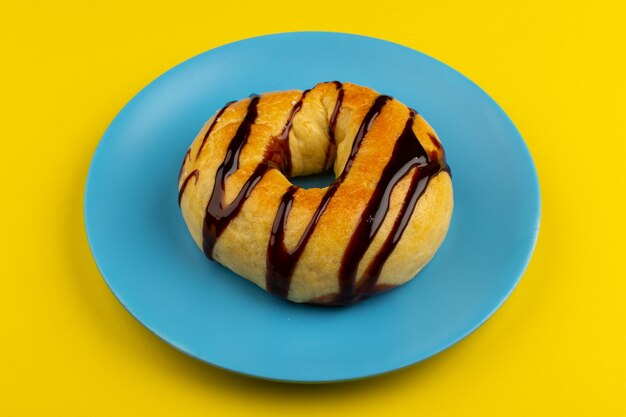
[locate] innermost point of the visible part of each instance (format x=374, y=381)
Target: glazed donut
x=373, y=228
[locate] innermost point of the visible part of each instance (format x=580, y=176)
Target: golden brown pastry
x=372, y=229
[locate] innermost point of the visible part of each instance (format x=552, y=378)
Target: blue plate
x=141, y=245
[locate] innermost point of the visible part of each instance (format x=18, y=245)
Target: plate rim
x=534, y=177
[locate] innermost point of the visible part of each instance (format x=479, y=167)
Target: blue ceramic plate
x=141, y=245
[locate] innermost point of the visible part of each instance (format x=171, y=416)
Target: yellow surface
x=557, y=347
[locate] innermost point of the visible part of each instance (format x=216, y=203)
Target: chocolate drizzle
x=333, y=122
x=217, y=216
x=435, y=141
x=192, y=174
x=182, y=166
x=210, y=129
x=188, y=154
x=408, y=158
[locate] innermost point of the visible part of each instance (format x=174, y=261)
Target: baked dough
x=374, y=228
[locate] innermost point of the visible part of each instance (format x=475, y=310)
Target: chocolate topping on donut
x=333, y=122
x=192, y=174
x=408, y=158
x=182, y=166
x=210, y=129
x=217, y=215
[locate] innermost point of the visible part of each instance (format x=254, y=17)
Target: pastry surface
x=372, y=229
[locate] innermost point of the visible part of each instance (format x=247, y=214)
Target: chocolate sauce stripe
x=366, y=124
x=277, y=254
x=333, y=123
x=193, y=174
x=182, y=166
x=217, y=217
x=210, y=129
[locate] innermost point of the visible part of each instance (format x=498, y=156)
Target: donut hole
x=319, y=180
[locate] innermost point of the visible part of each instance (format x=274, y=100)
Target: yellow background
x=556, y=347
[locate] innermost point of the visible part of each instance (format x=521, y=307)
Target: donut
x=372, y=229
